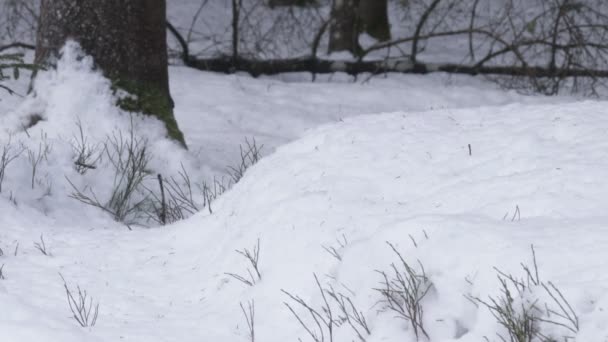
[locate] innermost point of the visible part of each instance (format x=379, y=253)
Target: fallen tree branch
x=319, y=66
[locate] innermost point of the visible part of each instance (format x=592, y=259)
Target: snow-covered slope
x=403, y=178
x=409, y=176
x=455, y=173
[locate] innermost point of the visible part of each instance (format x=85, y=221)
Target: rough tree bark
x=126, y=38
x=280, y=3
x=373, y=19
x=343, y=33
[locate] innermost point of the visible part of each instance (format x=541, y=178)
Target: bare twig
x=336, y=252
x=250, y=155
x=253, y=256
x=86, y=155
x=321, y=329
x=8, y=154
x=249, y=314
x=35, y=157
x=41, y=246
x=129, y=158
x=84, y=311
x=350, y=314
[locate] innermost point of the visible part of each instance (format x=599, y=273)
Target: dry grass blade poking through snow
x=336, y=251
x=253, y=256
x=212, y=192
x=8, y=154
x=81, y=305
x=86, y=154
x=522, y=312
x=38, y=155
x=323, y=322
x=250, y=154
x=321, y=329
x=41, y=246
x=249, y=314
x=349, y=314
x=403, y=291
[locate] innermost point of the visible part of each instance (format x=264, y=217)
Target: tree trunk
x=281, y=3
x=343, y=35
x=126, y=38
x=373, y=16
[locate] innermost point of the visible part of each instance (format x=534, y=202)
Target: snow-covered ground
x=458, y=175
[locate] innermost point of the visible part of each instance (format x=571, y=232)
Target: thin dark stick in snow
x=163, y=206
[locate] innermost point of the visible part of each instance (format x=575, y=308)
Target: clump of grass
x=403, y=291
x=522, y=313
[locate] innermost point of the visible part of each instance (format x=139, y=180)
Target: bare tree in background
x=530, y=45
x=127, y=40
x=343, y=33
x=373, y=19
x=18, y=20
x=349, y=18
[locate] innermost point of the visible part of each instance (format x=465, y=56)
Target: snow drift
x=455, y=191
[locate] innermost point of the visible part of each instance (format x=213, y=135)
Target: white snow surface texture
x=461, y=177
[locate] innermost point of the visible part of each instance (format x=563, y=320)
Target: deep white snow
x=348, y=165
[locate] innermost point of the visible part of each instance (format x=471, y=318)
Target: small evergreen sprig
x=11, y=65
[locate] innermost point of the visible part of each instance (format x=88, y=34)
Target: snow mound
x=458, y=192
x=73, y=110
x=461, y=191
